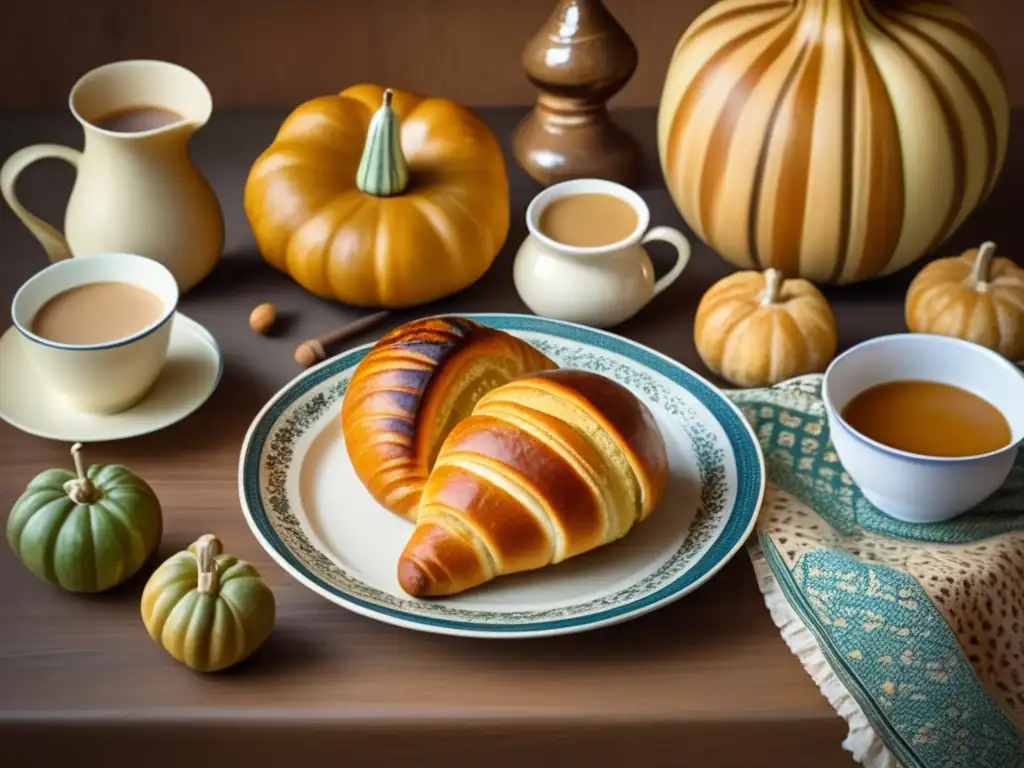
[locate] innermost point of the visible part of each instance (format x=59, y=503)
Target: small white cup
x=908, y=486
x=98, y=378
x=599, y=286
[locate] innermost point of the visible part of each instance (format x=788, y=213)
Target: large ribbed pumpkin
x=380, y=198
x=834, y=140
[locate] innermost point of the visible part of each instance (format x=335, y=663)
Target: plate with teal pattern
x=306, y=506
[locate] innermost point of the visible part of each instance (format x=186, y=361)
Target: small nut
x=306, y=355
x=262, y=318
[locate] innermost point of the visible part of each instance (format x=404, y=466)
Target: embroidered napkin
x=914, y=633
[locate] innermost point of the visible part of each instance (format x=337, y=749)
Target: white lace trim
x=862, y=742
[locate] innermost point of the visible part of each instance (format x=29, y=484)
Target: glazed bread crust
x=547, y=467
x=411, y=390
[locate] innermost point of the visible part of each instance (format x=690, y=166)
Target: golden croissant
x=547, y=467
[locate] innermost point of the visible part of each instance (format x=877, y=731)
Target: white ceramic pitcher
x=601, y=286
x=134, y=192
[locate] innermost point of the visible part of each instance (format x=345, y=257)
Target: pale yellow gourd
x=207, y=609
x=974, y=296
x=756, y=329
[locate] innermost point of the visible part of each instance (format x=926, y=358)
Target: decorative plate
x=306, y=506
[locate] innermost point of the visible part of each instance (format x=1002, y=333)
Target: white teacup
x=908, y=486
x=599, y=286
x=99, y=378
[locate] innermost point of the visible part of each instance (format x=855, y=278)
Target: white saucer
x=189, y=377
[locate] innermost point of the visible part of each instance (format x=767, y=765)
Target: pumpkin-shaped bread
x=411, y=390
x=380, y=198
x=756, y=329
x=88, y=530
x=547, y=467
x=208, y=610
x=973, y=296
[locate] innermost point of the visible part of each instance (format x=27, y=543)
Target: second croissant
x=505, y=462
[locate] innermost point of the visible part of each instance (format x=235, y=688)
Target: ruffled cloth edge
x=862, y=741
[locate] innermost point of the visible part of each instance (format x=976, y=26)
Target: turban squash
x=380, y=198
x=834, y=140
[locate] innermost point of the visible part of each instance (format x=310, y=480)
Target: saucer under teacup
x=189, y=377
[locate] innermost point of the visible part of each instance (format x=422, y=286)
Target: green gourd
x=208, y=610
x=85, y=531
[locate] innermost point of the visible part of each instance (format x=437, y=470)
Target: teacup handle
x=53, y=242
x=677, y=239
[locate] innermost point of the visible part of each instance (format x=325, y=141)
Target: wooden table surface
x=705, y=681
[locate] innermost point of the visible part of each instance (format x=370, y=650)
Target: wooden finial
x=578, y=60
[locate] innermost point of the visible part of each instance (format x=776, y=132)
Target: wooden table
x=706, y=681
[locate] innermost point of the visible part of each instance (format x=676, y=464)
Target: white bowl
x=908, y=486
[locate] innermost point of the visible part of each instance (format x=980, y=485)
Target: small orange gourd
x=756, y=329
x=974, y=296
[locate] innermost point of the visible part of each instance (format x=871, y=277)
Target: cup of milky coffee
x=584, y=260
x=97, y=328
x=927, y=426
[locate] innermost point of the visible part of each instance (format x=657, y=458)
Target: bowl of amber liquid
x=927, y=426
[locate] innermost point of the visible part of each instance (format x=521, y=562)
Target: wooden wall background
x=277, y=53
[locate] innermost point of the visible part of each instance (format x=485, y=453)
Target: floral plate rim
x=740, y=519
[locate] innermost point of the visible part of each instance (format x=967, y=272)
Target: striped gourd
x=382, y=169
x=834, y=140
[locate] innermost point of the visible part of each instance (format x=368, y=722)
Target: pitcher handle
x=678, y=240
x=53, y=242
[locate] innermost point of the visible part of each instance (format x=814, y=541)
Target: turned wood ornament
x=834, y=140
x=578, y=60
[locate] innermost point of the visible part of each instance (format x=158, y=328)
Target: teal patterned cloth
x=915, y=633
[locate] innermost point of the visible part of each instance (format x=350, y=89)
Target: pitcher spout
x=141, y=98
